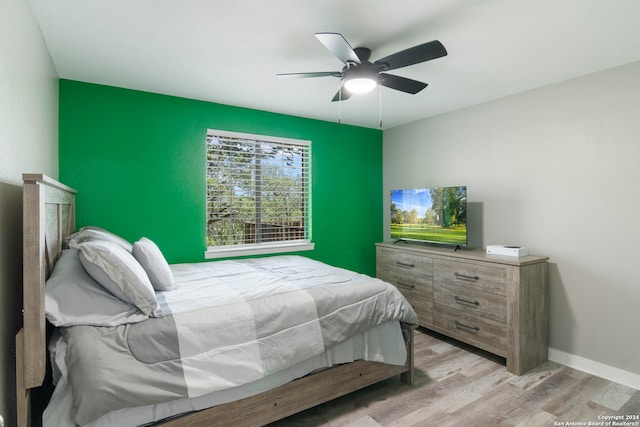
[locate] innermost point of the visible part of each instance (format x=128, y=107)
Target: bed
x=264, y=374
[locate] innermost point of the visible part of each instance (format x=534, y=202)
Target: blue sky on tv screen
x=416, y=198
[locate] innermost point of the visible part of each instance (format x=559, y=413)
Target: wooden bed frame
x=48, y=217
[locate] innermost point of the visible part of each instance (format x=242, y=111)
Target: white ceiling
x=229, y=51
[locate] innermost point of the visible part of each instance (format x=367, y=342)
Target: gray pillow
x=118, y=271
x=72, y=297
x=155, y=265
x=90, y=233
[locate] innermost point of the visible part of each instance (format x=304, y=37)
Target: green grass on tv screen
x=456, y=235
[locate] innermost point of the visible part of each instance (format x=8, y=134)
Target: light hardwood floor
x=457, y=385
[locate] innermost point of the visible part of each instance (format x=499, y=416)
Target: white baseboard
x=595, y=368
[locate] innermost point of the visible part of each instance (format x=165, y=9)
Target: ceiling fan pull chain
x=380, y=104
x=340, y=106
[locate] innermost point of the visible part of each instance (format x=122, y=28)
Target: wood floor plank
x=531, y=401
x=477, y=389
x=540, y=418
x=632, y=406
x=585, y=413
x=537, y=375
x=614, y=395
x=458, y=385
x=566, y=399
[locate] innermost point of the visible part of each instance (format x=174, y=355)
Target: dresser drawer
x=472, y=301
x=406, y=264
x=465, y=325
x=478, y=276
x=409, y=284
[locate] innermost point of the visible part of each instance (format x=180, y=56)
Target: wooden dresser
x=496, y=303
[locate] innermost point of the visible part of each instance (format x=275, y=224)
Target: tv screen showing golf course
x=436, y=214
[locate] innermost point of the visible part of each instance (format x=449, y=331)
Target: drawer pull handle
x=465, y=276
x=466, y=301
x=404, y=264
x=404, y=285
x=460, y=325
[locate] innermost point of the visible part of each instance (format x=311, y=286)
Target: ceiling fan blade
x=414, y=55
x=337, y=44
x=313, y=74
x=342, y=95
x=402, y=84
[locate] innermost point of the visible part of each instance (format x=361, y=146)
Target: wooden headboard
x=48, y=216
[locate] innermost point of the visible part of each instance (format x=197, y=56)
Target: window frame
x=262, y=248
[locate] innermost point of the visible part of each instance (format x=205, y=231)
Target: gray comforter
x=229, y=323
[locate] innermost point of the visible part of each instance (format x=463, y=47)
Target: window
x=258, y=194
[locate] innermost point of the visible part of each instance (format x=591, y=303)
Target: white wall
x=28, y=143
x=555, y=169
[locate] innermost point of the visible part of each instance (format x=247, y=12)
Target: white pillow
x=118, y=271
x=89, y=233
x=72, y=297
x=155, y=265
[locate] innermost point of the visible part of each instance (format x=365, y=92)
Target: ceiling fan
x=359, y=75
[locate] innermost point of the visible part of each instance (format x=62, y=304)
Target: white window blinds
x=258, y=189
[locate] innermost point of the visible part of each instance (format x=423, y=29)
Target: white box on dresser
x=507, y=250
x=497, y=303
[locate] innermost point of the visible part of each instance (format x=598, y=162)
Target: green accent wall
x=137, y=160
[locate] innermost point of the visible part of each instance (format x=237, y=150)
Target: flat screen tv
x=430, y=215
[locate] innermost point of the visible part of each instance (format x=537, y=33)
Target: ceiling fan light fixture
x=359, y=75
x=360, y=85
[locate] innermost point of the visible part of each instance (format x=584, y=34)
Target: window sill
x=257, y=249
